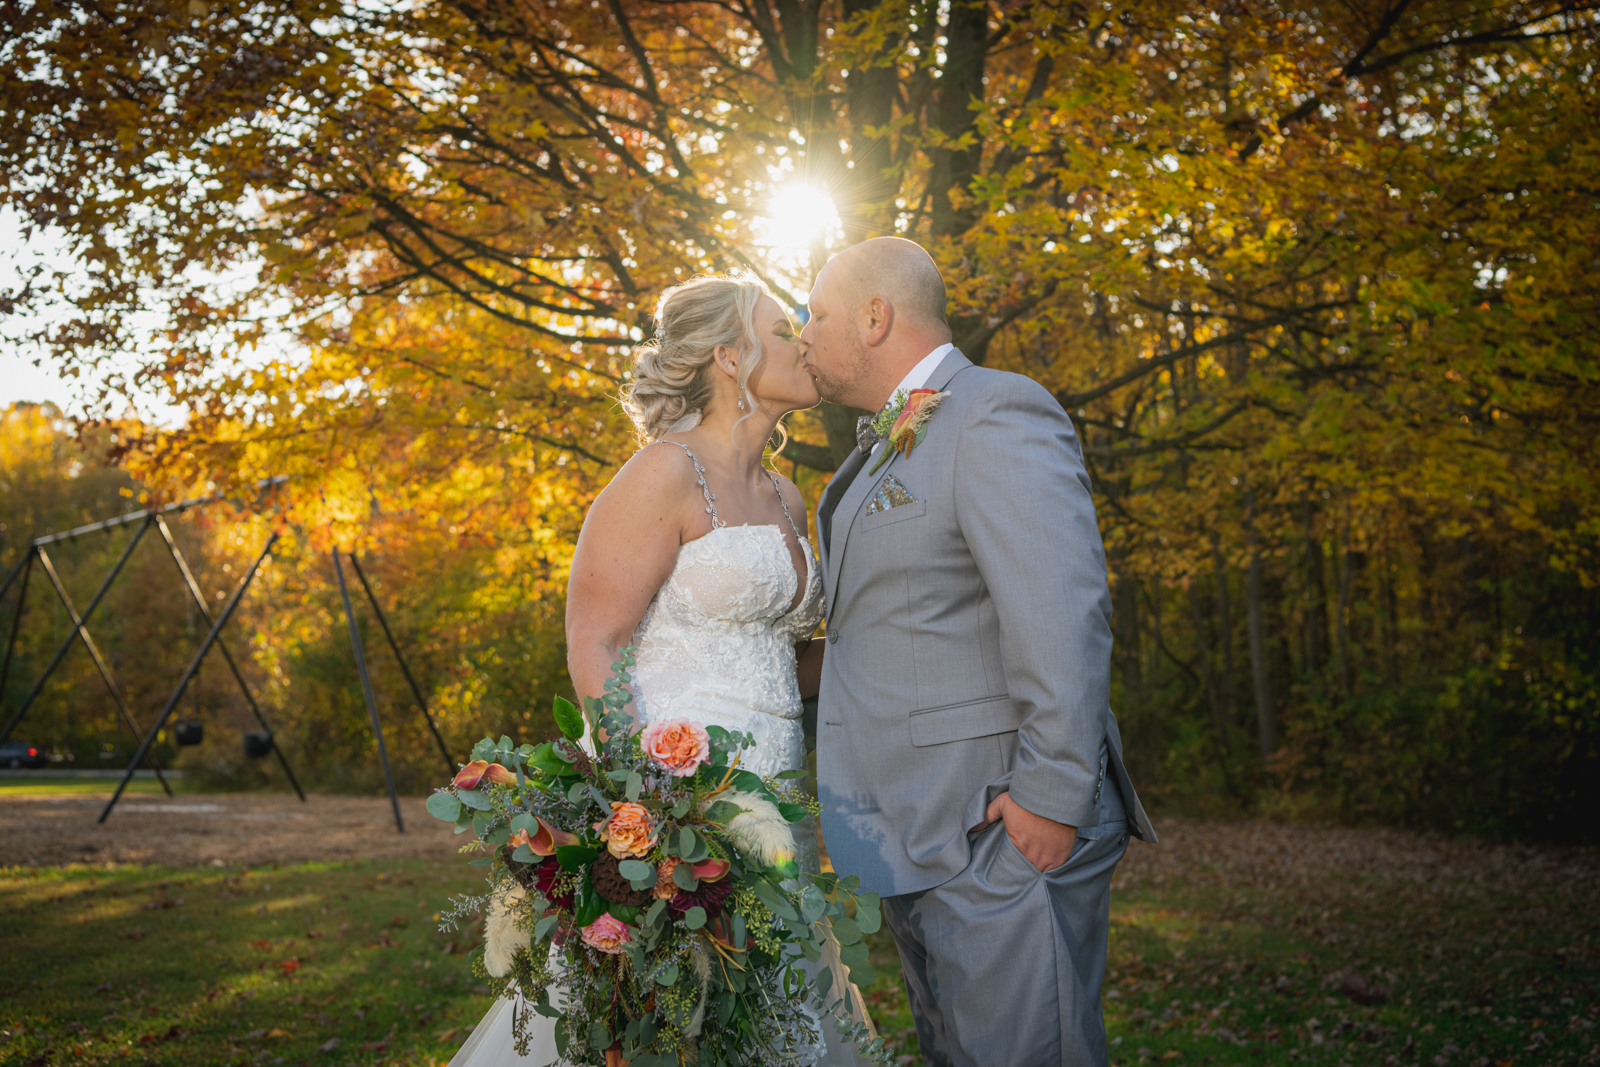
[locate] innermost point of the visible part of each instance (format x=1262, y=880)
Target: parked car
x=16, y=754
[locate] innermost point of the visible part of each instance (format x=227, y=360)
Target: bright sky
x=19, y=378
x=797, y=215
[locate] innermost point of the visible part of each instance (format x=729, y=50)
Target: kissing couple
x=968, y=764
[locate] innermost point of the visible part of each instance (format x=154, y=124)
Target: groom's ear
x=877, y=319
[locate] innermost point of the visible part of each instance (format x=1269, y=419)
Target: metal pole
x=188, y=675
x=205, y=610
x=16, y=624
x=366, y=691
x=72, y=638
x=144, y=739
x=416, y=690
x=135, y=516
x=25, y=561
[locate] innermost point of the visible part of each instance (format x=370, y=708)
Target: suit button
x=833, y=637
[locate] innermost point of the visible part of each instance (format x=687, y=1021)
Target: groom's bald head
x=900, y=272
x=876, y=310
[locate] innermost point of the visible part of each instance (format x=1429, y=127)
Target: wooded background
x=1316, y=282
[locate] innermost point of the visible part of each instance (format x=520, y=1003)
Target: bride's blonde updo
x=671, y=380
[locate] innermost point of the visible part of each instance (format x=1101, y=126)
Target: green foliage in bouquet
x=652, y=882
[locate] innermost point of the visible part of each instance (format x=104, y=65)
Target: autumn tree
x=1311, y=278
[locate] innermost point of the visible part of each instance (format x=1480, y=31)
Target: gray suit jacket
x=969, y=638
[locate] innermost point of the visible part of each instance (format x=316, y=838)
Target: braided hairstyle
x=671, y=380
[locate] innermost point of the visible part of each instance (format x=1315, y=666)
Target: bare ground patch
x=222, y=829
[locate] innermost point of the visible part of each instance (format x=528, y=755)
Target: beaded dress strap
x=785, y=505
x=711, y=498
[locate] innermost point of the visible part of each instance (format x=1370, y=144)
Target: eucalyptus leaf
x=797, y=772
x=854, y=955
x=824, y=982
x=669, y=975
x=694, y=918
x=542, y=928
x=812, y=904
x=863, y=974
x=846, y=930
x=475, y=799
x=599, y=1036
x=444, y=806
x=684, y=878
x=524, y=821
x=638, y=873
x=634, y=785
x=722, y=811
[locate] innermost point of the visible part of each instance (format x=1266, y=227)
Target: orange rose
x=666, y=888
x=630, y=831
x=679, y=745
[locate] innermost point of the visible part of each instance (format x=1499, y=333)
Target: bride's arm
x=627, y=549
x=808, y=665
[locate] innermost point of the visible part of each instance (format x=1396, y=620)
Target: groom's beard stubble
x=837, y=390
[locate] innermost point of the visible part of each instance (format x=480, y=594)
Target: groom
x=969, y=766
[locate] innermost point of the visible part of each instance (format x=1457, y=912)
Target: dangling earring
x=741, y=403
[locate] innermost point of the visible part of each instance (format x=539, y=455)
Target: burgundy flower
x=544, y=877
x=709, y=895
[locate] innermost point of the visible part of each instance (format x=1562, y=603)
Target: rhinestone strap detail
x=784, y=504
x=700, y=476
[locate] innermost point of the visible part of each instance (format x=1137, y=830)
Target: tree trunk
x=1313, y=600
x=1208, y=672
x=1341, y=625
x=1230, y=699
x=1258, y=651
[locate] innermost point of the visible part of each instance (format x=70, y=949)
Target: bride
x=697, y=554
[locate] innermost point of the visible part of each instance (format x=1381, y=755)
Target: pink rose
x=679, y=745
x=607, y=934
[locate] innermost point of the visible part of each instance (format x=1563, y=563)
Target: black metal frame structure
x=37, y=552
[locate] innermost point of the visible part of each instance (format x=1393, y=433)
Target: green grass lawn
x=314, y=963
x=334, y=964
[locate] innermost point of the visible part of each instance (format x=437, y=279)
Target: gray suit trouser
x=1003, y=963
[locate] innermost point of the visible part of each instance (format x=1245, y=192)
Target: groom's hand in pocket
x=1043, y=842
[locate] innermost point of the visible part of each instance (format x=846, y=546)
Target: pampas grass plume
x=502, y=939
x=760, y=830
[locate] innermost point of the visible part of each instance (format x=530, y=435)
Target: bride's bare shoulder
x=655, y=479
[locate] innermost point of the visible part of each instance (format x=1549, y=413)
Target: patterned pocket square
x=891, y=494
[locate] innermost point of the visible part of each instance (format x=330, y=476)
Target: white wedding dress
x=716, y=645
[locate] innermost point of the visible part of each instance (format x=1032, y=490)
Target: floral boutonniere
x=910, y=424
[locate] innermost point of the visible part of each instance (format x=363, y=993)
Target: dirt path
x=198, y=829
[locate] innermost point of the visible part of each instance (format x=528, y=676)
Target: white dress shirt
x=919, y=376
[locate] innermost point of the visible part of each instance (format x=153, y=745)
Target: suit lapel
x=849, y=506
x=829, y=502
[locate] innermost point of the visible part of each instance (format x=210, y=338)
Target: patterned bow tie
x=866, y=435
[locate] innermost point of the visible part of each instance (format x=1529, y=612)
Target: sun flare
x=797, y=215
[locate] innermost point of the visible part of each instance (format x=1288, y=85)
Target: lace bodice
x=716, y=644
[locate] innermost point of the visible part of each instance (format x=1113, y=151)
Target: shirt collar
x=924, y=369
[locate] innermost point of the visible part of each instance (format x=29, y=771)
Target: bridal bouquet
x=653, y=883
